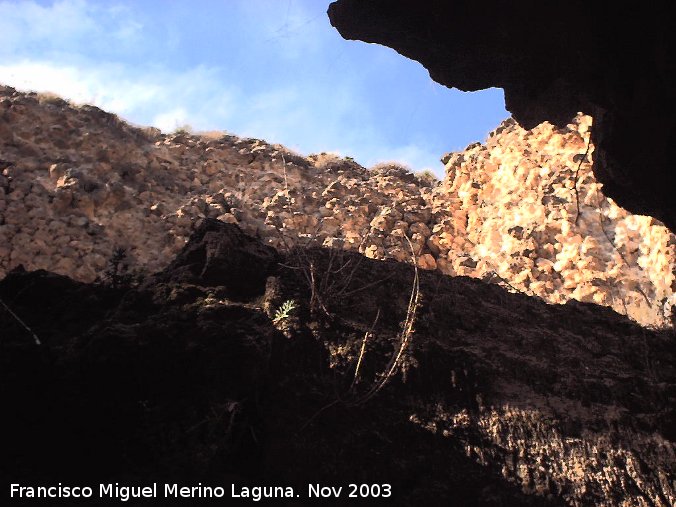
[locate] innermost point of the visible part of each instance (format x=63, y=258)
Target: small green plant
x=284, y=311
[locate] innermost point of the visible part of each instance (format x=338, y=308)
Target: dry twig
x=35, y=337
x=577, y=174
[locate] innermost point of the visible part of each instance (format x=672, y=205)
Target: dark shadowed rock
x=220, y=254
x=500, y=399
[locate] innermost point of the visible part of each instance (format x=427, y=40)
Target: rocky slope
x=78, y=182
x=497, y=398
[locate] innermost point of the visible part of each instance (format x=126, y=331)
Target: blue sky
x=271, y=69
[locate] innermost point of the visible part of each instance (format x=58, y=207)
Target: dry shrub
x=394, y=170
x=333, y=162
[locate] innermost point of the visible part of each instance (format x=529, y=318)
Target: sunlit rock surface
x=78, y=182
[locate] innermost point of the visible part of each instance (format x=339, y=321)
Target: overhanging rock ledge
x=553, y=60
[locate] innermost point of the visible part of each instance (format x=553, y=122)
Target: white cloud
x=63, y=27
x=34, y=22
x=152, y=96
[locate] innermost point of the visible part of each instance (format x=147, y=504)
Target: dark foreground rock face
x=500, y=399
x=553, y=60
x=221, y=255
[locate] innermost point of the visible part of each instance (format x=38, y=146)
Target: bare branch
x=35, y=337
